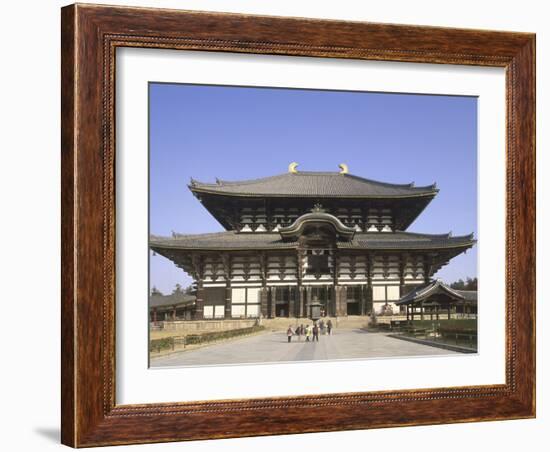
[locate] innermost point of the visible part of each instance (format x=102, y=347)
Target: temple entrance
x=353, y=308
x=281, y=310
x=353, y=300
x=281, y=301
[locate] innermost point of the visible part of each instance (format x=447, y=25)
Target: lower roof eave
x=406, y=248
x=294, y=246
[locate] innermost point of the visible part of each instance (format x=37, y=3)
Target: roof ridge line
x=374, y=181
x=221, y=182
x=179, y=235
x=391, y=184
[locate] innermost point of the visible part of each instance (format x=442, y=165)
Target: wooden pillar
x=341, y=305
x=299, y=300
x=199, y=304
x=307, y=300
x=198, y=270
x=300, y=290
x=174, y=314
x=449, y=311
x=264, y=295
x=369, y=298
x=363, y=300
x=339, y=302
x=291, y=302
x=334, y=300
x=154, y=316
x=407, y=306
x=227, y=307
x=274, y=303
x=422, y=310
x=437, y=311
x=270, y=303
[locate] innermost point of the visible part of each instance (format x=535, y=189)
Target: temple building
x=175, y=306
x=298, y=238
x=436, y=299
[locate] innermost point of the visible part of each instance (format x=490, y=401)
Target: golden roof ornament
x=292, y=168
x=343, y=168
x=318, y=208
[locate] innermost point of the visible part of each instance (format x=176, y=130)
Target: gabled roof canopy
x=317, y=219
x=431, y=289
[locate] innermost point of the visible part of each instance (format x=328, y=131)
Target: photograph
x=292, y=225
x=265, y=226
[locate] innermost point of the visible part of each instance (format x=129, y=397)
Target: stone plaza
x=272, y=347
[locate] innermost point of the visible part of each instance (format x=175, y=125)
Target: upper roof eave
x=426, y=194
x=313, y=184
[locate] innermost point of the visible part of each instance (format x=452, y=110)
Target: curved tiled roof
x=158, y=300
x=425, y=291
x=469, y=295
x=319, y=217
x=231, y=240
x=227, y=240
x=313, y=184
x=407, y=240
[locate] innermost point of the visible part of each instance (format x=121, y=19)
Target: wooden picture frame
x=90, y=36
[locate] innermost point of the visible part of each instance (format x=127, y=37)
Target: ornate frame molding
x=90, y=37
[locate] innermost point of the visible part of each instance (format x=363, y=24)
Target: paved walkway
x=273, y=347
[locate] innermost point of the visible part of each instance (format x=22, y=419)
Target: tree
x=458, y=285
x=177, y=289
x=155, y=291
x=469, y=284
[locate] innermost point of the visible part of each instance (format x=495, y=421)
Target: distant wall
x=194, y=326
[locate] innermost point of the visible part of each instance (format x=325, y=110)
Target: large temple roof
x=231, y=240
x=313, y=184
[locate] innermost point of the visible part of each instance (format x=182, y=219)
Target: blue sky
x=236, y=133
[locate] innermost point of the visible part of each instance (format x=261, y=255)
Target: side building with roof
x=290, y=240
x=175, y=306
x=431, y=300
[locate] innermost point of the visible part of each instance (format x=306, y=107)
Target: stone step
x=337, y=322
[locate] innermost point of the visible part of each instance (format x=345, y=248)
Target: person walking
x=289, y=333
x=329, y=327
x=308, y=333
x=322, y=327
x=300, y=332
x=315, y=333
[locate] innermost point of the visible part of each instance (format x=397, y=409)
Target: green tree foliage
x=155, y=291
x=469, y=284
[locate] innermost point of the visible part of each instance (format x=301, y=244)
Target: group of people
x=310, y=332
